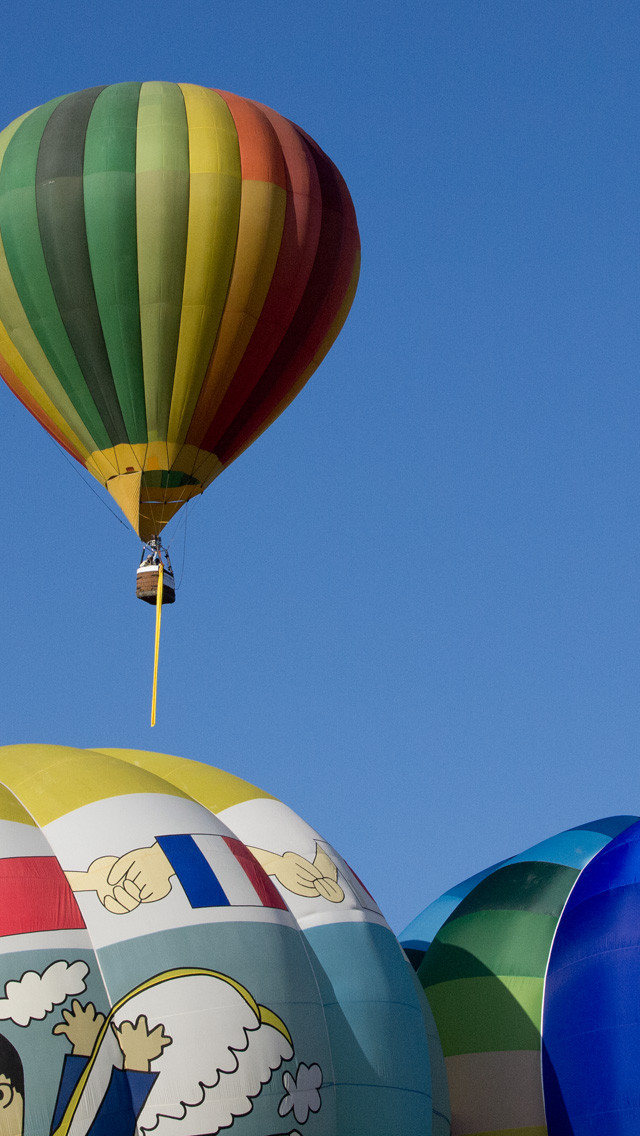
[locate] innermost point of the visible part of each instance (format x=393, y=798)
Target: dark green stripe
x=60, y=204
x=23, y=248
x=526, y=886
x=110, y=213
x=167, y=479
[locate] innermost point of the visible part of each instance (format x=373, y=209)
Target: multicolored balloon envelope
x=482, y=955
x=175, y=262
x=180, y=954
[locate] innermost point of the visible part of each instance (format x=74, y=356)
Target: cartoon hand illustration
x=302, y=877
x=117, y=897
x=147, y=870
x=327, y=884
x=81, y=1026
x=139, y=1045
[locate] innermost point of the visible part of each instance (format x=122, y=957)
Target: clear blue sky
x=412, y=609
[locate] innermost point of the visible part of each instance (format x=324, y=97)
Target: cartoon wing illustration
x=224, y=1048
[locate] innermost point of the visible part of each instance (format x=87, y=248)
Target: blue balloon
x=591, y=1022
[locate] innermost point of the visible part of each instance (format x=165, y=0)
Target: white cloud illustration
x=35, y=995
x=302, y=1092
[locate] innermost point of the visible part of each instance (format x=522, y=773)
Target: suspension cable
x=74, y=466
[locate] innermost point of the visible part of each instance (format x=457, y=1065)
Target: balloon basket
x=147, y=586
x=147, y=576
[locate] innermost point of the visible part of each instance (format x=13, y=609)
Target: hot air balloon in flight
x=175, y=262
x=183, y=955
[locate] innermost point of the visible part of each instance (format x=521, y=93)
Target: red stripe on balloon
x=261, y=159
x=295, y=388
x=338, y=246
x=35, y=896
x=293, y=268
x=266, y=891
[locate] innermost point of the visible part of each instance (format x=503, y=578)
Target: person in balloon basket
x=128, y=1087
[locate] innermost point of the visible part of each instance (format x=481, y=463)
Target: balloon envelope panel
x=375, y=1021
x=175, y=262
x=481, y=953
x=155, y=974
x=592, y=1004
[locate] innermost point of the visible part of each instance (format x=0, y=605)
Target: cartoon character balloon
x=175, y=262
x=180, y=954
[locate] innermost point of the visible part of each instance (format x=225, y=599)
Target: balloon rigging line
x=190, y=504
x=75, y=469
x=183, y=520
x=184, y=545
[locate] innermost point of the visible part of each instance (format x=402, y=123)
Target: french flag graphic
x=219, y=871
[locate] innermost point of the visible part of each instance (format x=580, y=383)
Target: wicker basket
x=147, y=585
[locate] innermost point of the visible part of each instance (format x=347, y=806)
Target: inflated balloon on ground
x=592, y=1000
x=182, y=952
x=482, y=954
